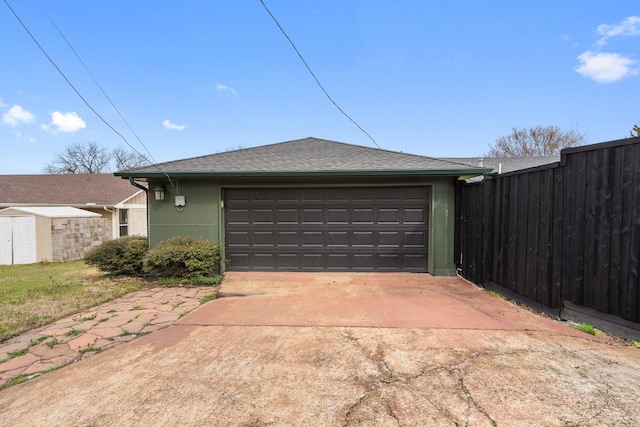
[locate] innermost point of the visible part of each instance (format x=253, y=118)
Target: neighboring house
x=502, y=165
x=32, y=234
x=311, y=205
x=124, y=206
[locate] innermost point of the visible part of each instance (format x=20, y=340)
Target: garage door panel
x=338, y=239
x=338, y=216
x=238, y=216
x=389, y=239
x=263, y=216
x=288, y=261
x=339, y=229
x=262, y=195
x=312, y=194
x=363, y=216
x=312, y=262
x=240, y=261
x=312, y=238
x=414, y=239
x=287, y=216
x=414, y=261
x=363, y=262
x=389, y=216
x=264, y=261
x=263, y=238
x=312, y=216
x=238, y=238
x=388, y=261
x=287, y=238
x=287, y=194
x=414, y=216
x=338, y=262
x=336, y=195
x=364, y=239
x=363, y=194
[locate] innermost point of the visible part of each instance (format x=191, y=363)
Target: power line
x=104, y=93
x=314, y=76
x=76, y=90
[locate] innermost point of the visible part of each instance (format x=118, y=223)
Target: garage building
x=311, y=205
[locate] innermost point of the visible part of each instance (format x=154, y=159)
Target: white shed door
x=24, y=240
x=6, y=241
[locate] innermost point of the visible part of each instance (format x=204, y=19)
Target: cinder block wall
x=72, y=238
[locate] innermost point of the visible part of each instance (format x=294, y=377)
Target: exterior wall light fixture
x=159, y=192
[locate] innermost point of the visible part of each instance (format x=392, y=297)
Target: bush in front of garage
x=187, y=257
x=119, y=256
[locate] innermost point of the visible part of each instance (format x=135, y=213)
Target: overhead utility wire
x=71, y=84
x=314, y=76
x=105, y=93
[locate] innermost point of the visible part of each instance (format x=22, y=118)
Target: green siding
x=441, y=258
x=202, y=216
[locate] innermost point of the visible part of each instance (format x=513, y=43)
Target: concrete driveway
x=339, y=350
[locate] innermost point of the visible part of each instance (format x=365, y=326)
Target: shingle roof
x=64, y=189
x=308, y=155
x=505, y=164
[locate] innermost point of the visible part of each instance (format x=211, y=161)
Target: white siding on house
x=138, y=222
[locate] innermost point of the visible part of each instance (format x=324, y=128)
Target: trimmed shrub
x=183, y=257
x=119, y=256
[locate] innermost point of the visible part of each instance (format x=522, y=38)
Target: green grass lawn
x=33, y=295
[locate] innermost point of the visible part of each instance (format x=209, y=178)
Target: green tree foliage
x=635, y=132
x=535, y=141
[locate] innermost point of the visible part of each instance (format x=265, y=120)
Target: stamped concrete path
x=307, y=349
x=80, y=336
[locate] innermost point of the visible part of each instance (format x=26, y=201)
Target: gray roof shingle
x=306, y=155
x=64, y=189
x=505, y=164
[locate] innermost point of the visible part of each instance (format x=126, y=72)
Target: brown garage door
x=329, y=229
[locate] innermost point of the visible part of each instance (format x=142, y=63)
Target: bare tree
x=80, y=158
x=535, y=141
x=89, y=157
x=124, y=159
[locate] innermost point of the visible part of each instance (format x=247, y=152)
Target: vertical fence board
x=632, y=309
x=564, y=232
x=531, y=266
x=617, y=179
x=557, y=239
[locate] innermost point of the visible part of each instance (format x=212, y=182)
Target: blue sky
x=435, y=78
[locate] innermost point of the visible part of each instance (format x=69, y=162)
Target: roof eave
x=353, y=173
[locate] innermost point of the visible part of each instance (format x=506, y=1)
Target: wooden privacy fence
x=565, y=237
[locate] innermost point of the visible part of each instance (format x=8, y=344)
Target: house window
x=124, y=222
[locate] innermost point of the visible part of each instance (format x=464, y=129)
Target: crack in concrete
x=476, y=405
x=387, y=376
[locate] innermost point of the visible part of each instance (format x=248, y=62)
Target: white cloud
x=17, y=116
x=66, y=122
x=224, y=88
x=629, y=27
x=168, y=125
x=605, y=67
